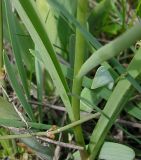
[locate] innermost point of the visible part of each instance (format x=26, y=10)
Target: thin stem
x=62, y=144
x=71, y=125
x=80, y=51
x=2, y=73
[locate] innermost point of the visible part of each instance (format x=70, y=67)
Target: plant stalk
x=80, y=51
x=2, y=73
x=71, y=125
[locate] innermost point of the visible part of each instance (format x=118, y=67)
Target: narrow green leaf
x=29, y=15
x=17, y=88
x=112, y=49
x=7, y=110
x=124, y=73
x=9, y=122
x=133, y=110
x=39, y=81
x=16, y=51
x=67, y=71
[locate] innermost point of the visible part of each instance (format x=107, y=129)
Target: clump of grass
x=49, y=59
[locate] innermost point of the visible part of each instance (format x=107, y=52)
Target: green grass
x=57, y=47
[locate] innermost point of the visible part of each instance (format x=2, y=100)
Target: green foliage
x=56, y=56
x=115, y=151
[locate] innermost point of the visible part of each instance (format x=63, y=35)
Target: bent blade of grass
x=16, y=51
x=29, y=15
x=112, y=49
x=114, y=105
x=17, y=88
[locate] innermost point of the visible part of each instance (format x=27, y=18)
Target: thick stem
x=80, y=51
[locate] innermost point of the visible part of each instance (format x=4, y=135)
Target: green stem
x=80, y=51
x=2, y=82
x=71, y=125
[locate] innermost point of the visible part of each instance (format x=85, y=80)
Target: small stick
x=49, y=105
x=128, y=123
x=62, y=144
x=59, y=108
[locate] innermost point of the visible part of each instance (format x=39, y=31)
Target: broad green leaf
x=17, y=88
x=28, y=12
x=7, y=110
x=102, y=78
x=15, y=47
x=9, y=117
x=115, y=151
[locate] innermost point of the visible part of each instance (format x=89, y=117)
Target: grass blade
x=16, y=51
x=39, y=81
x=17, y=88
x=112, y=49
x=28, y=13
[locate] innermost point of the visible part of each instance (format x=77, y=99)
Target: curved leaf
x=115, y=151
